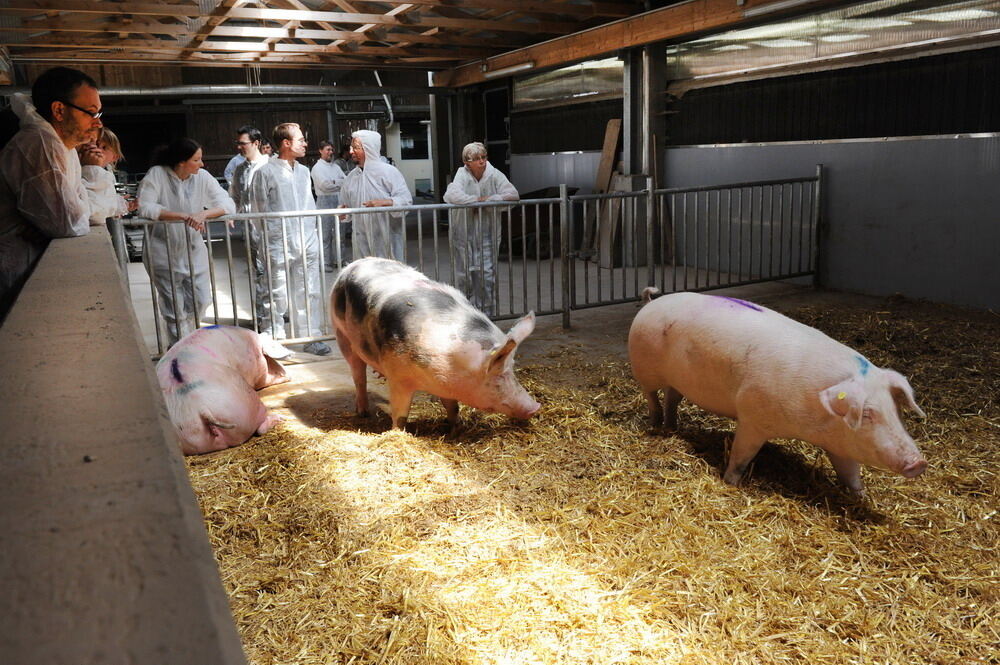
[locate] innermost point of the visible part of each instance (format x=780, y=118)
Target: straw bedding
x=582, y=538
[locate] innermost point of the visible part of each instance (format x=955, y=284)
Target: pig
x=209, y=379
x=423, y=335
x=777, y=378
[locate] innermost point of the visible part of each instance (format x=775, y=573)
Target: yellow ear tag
x=841, y=395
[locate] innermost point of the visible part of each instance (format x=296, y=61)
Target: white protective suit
x=41, y=197
x=239, y=190
x=292, y=280
x=166, y=248
x=381, y=233
x=327, y=178
x=474, y=233
x=105, y=201
x=231, y=165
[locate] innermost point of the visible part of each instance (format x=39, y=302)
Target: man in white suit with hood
x=375, y=184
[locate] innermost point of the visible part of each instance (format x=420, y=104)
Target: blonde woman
x=98, y=162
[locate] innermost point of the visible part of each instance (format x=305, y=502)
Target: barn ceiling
x=421, y=34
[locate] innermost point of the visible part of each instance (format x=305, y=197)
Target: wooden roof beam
x=683, y=20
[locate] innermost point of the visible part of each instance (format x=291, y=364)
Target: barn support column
x=643, y=120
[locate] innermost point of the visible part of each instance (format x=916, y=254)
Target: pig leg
x=451, y=408
x=270, y=421
x=400, y=397
x=849, y=473
x=655, y=408
x=671, y=398
x=359, y=372
x=746, y=444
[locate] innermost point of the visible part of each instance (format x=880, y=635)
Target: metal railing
x=519, y=256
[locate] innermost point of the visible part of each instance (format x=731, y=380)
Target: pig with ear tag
x=778, y=378
x=209, y=381
x=423, y=335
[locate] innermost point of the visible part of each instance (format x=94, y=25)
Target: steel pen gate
x=610, y=248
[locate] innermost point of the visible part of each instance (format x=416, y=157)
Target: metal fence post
x=820, y=230
x=650, y=219
x=565, y=213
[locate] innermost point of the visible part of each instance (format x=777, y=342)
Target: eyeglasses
x=242, y=142
x=93, y=114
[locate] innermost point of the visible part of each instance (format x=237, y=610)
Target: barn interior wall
x=944, y=94
x=909, y=216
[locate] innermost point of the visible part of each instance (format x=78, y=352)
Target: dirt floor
x=582, y=537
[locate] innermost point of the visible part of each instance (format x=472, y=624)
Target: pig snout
x=914, y=468
x=526, y=411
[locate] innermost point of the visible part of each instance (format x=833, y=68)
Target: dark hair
x=323, y=144
x=57, y=85
x=177, y=151
x=265, y=142
x=252, y=132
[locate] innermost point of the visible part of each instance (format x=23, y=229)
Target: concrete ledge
x=104, y=557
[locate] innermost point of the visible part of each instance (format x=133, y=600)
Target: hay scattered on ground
x=582, y=538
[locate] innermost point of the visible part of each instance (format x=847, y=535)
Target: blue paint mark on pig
x=863, y=365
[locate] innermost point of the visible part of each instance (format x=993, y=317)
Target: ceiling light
x=513, y=69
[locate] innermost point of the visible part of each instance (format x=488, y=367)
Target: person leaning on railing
x=98, y=161
x=179, y=188
x=41, y=192
x=474, y=233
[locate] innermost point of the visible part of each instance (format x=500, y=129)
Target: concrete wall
x=104, y=556
x=911, y=216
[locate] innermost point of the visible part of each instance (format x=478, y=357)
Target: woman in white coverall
x=474, y=233
x=178, y=188
x=374, y=184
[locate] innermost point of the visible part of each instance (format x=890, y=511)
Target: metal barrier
x=512, y=257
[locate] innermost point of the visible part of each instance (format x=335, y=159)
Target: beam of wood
x=100, y=25
x=563, y=7
x=676, y=21
x=151, y=59
x=82, y=6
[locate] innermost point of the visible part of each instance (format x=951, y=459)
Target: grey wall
x=914, y=216
x=920, y=217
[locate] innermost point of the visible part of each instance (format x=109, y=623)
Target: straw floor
x=582, y=538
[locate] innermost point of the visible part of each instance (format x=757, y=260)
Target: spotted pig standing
x=423, y=335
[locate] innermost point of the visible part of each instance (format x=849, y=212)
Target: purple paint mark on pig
x=175, y=371
x=744, y=303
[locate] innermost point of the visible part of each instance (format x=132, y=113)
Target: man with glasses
x=42, y=195
x=291, y=244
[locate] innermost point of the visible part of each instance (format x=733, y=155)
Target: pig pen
x=583, y=538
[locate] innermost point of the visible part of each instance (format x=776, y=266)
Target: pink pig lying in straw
x=778, y=378
x=209, y=381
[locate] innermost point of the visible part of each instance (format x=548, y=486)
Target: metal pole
x=565, y=221
x=819, y=226
x=650, y=220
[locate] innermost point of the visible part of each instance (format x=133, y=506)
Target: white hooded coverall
x=327, y=178
x=170, y=244
x=105, y=201
x=474, y=233
x=41, y=197
x=380, y=233
x=292, y=279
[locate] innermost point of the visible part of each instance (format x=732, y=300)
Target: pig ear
x=520, y=330
x=499, y=355
x=902, y=392
x=846, y=400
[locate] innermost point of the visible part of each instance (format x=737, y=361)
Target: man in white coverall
x=42, y=195
x=375, y=184
x=474, y=233
x=283, y=185
x=249, y=142
x=327, y=177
